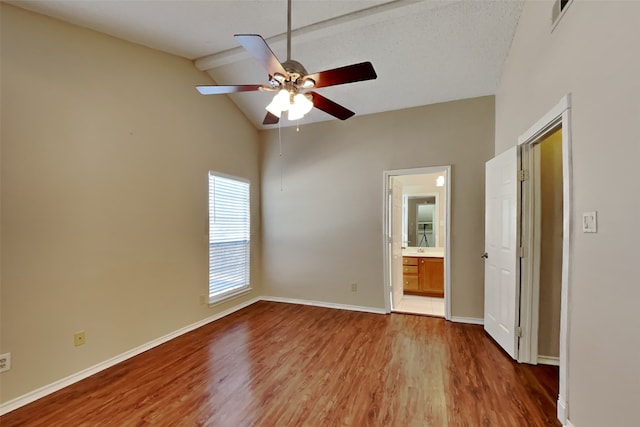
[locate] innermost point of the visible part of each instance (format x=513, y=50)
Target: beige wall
x=105, y=151
x=322, y=201
x=592, y=54
x=550, y=155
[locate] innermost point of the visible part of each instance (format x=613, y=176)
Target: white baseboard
x=549, y=360
x=562, y=413
x=78, y=376
x=471, y=320
x=325, y=304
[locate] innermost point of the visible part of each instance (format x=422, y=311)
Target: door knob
x=484, y=255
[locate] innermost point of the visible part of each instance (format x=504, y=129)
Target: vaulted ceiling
x=424, y=52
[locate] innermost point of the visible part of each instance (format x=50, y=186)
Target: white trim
x=565, y=298
x=386, y=240
x=237, y=293
x=547, y=120
x=78, y=376
x=324, y=304
x=228, y=176
x=530, y=222
x=559, y=114
x=386, y=232
x=447, y=245
x=562, y=408
x=548, y=360
x=470, y=320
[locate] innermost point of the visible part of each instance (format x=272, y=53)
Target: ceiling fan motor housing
x=296, y=71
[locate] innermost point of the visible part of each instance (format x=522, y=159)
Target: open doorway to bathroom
x=417, y=258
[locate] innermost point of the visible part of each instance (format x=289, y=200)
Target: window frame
x=229, y=292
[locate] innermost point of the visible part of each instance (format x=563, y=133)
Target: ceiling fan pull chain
x=281, y=165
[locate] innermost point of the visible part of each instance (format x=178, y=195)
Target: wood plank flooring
x=275, y=364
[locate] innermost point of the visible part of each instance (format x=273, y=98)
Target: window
x=228, y=236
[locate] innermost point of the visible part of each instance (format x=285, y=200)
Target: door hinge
x=522, y=252
x=523, y=174
x=519, y=332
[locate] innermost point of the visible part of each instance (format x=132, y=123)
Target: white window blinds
x=228, y=236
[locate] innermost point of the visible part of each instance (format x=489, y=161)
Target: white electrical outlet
x=5, y=362
x=354, y=287
x=79, y=338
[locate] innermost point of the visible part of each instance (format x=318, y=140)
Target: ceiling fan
x=292, y=82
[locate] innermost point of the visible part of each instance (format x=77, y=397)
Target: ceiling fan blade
x=261, y=51
x=220, y=90
x=270, y=119
x=330, y=107
x=348, y=74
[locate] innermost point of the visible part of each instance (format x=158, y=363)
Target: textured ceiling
x=424, y=52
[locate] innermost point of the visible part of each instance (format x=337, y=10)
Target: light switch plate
x=589, y=222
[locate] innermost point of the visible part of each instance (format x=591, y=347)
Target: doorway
x=542, y=232
x=416, y=226
x=514, y=221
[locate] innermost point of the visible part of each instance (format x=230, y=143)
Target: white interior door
x=501, y=283
x=396, y=243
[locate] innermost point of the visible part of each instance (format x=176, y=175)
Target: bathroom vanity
x=423, y=272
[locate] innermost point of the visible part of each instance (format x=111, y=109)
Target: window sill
x=227, y=297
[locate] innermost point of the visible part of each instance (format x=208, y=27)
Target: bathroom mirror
x=422, y=221
x=423, y=210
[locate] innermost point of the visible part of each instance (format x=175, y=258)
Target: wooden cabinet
x=423, y=276
x=410, y=274
x=431, y=273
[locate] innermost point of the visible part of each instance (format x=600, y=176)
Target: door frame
x=558, y=116
x=386, y=232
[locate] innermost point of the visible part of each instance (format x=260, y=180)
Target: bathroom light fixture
x=440, y=181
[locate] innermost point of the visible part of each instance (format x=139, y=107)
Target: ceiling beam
x=360, y=18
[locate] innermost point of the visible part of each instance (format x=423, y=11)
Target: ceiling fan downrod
x=288, y=30
x=295, y=69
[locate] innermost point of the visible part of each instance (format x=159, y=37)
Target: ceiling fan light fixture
x=301, y=105
x=279, y=103
x=295, y=114
x=304, y=102
x=308, y=83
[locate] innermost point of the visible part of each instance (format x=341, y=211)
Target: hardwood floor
x=275, y=364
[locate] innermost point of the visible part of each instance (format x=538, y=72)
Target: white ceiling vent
x=559, y=8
